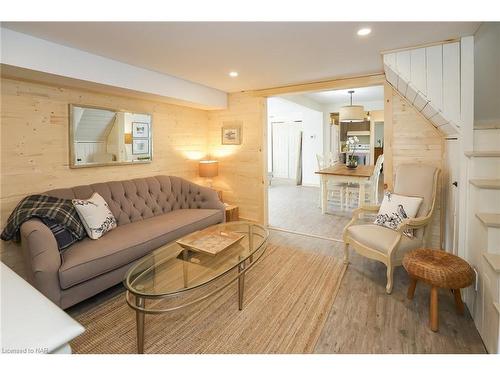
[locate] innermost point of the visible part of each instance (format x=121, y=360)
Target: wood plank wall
x=34, y=140
x=34, y=144
x=410, y=138
x=241, y=167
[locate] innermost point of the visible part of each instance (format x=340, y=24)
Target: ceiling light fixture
x=364, y=31
x=233, y=74
x=352, y=113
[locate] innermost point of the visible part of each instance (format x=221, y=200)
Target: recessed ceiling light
x=364, y=31
x=233, y=74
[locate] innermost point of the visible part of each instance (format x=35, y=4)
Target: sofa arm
x=42, y=258
x=209, y=199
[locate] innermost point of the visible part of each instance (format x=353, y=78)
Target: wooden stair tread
x=493, y=260
x=485, y=126
x=489, y=219
x=483, y=154
x=485, y=183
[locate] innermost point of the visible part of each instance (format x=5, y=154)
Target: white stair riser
x=493, y=240
x=487, y=139
x=485, y=200
x=488, y=167
x=478, y=241
x=489, y=293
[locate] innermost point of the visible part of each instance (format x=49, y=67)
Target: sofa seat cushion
x=381, y=238
x=90, y=258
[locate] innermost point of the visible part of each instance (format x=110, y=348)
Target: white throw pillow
x=395, y=208
x=95, y=215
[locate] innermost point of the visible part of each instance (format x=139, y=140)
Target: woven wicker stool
x=440, y=270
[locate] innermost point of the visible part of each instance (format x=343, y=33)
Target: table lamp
x=209, y=169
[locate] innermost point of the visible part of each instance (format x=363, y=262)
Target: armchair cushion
x=417, y=180
x=381, y=239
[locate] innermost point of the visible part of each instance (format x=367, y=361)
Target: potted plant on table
x=352, y=160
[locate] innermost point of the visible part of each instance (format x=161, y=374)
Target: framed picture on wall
x=140, y=130
x=140, y=146
x=231, y=133
x=334, y=118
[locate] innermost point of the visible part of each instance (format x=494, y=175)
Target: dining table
x=340, y=173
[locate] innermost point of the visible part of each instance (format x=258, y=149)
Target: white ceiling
x=266, y=54
x=360, y=96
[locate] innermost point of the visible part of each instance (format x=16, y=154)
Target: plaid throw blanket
x=56, y=210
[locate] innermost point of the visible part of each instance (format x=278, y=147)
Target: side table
x=232, y=212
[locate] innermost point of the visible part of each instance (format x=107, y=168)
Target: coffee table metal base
x=159, y=283
x=140, y=311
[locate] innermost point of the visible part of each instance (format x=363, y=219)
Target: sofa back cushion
x=140, y=198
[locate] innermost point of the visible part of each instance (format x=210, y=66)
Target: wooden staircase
x=429, y=78
x=438, y=80
x=483, y=233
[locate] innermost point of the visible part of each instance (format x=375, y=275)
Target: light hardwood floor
x=364, y=319
x=297, y=208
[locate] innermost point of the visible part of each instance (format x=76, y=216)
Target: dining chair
x=387, y=245
x=371, y=187
x=336, y=191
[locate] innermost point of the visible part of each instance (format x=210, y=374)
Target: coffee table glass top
x=171, y=270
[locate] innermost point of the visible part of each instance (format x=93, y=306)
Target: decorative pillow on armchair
x=95, y=215
x=395, y=208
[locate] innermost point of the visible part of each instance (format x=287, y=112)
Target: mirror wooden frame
x=72, y=153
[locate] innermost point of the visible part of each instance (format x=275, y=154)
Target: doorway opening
x=305, y=136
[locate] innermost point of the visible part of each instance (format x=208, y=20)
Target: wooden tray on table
x=210, y=241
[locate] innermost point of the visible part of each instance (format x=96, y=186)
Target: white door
x=285, y=149
x=294, y=140
x=280, y=149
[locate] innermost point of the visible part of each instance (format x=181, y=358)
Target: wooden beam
x=388, y=162
x=334, y=84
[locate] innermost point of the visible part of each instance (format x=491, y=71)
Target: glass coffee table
x=173, y=277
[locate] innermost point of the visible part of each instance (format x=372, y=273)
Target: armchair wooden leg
x=434, y=315
x=346, y=253
x=411, y=288
x=458, y=301
x=390, y=271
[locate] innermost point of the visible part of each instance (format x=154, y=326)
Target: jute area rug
x=288, y=296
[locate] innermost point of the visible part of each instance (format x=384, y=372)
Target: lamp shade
x=352, y=113
x=208, y=168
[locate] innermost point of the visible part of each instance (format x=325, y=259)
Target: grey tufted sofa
x=150, y=213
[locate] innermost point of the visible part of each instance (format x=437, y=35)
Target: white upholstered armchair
x=387, y=245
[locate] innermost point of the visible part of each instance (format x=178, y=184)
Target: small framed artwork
x=334, y=118
x=140, y=146
x=140, y=130
x=231, y=133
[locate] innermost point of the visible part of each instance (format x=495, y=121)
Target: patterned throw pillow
x=395, y=208
x=95, y=215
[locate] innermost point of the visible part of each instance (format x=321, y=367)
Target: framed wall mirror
x=101, y=136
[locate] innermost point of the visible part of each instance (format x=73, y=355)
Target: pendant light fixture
x=352, y=113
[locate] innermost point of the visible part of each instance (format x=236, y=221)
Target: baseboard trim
x=304, y=234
